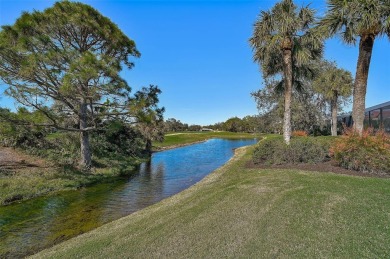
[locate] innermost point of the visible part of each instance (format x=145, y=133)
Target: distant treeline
x=234, y=124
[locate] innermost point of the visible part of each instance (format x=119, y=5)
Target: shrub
x=367, y=153
x=117, y=139
x=64, y=148
x=266, y=149
x=21, y=136
x=299, y=133
x=119, y=146
x=300, y=150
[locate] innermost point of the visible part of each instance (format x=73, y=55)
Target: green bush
x=21, y=136
x=118, y=146
x=64, y=148
x=300, y=150
x=367, y=153
x=117, y=139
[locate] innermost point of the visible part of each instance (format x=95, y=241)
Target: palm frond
x=355, y=18
x=279, y=87
x=272, y=28
x=299, y=86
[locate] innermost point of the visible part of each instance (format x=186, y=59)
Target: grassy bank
x=31, y=183
x=27, y=184
x=184, y=138
x=25, y=176
x=240, y=212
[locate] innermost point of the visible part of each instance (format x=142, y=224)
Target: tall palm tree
x=283, y=40
x=363, y=20
x=333, y=84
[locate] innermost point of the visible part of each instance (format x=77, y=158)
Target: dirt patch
x=14, y=160
x=325, y=167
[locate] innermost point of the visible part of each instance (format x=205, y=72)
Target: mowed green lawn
x=251, y=213
x=188, y=137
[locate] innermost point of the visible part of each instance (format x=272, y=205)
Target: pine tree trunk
x=288, y=80
x=148, y=147
x=359, y=91
x=85, y=162
x=334, y=109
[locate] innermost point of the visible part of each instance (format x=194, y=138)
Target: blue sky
x=197, y=52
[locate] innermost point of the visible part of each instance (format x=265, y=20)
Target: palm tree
x=333, y=84
x=282, y=41
x=363, y=20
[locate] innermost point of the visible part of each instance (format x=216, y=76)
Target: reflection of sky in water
x=38, y=223
x=187, y=165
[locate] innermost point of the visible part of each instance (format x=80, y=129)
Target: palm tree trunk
x=359, y=91
x=334, y=109
x=85, y=162
x=288, y=79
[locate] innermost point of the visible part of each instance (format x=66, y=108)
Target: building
x=206, y=129
x=377, y=116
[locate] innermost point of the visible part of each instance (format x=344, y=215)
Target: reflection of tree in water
x=151, y=183
x=145, y=169
x=139, y=191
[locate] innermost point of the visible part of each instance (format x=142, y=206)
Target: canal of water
x=33, y=225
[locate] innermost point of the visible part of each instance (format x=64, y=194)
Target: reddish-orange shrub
x=299, y=133
x=369, y=152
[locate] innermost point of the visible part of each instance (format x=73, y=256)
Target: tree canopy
x=335, y=87
x=282, y=41
x=307, y=108
x=65, y=62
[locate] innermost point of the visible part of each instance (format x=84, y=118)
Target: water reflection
x=33, y=225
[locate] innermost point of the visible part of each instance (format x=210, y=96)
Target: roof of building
x=385, y=105
x=376, y=107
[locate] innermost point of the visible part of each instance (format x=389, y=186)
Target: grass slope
x=24, y=177
x=184, y=138
x=239, y=212
x=30, y=183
